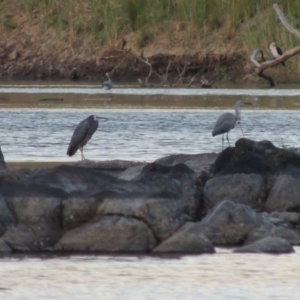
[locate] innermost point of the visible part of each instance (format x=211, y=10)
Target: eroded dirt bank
x=29, y=52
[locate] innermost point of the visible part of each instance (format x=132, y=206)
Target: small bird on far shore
x=108, y=83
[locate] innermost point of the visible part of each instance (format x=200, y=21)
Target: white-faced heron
x=82, y=134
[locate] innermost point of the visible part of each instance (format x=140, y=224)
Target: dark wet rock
x=4, y=248
x=270, y=230
x=232, y=224
x=178, y=179
x=253, y=157
x=109, y=234
x=229, y=224
x=234, y=160
x=39, y=208
x=243, y=188
x=186, y=240
x=284, y=194
x=6, y=216
x=163, y=213
x=177, y=202
x=285, y=216
x=197, y=162
x=2, y=161
x=132, y=172
x=70, y=179
x=272, y=245
x=14, y=175
x=21, y=238
x=79, y=209
x=115, y=168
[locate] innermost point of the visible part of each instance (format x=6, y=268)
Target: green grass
x=108, y=19
x=246, y=24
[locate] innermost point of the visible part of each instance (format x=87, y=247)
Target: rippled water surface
x=135, y=134
x=220, y=276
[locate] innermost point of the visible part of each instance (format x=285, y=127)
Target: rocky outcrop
x=244, y=197
x=109, y=234
x=2, y=161
x=4, y=248
x=240, y=188
x=267, y=245
x=186, y=240
x=284, y=194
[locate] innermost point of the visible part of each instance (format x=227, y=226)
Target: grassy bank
x=107, y=20
x=175, y=26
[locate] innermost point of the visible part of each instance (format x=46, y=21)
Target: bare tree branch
x=253, y=57
x=260, y=67
x=181, y=74
x=284, y=21
x=165, y=77
x=278, y=60
x=145, y=60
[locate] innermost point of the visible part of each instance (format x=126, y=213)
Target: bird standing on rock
x=227, y=121
x=276, y=51
x=82, y=134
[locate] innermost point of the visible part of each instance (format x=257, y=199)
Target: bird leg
x=227, y=139
x=81, y=150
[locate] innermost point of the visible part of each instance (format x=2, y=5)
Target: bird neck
x=237, y=113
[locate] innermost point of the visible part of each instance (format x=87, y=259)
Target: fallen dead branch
x=261, y=66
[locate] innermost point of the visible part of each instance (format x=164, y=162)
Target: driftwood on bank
x=261, y=66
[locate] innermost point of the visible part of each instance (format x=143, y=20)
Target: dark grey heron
x=276, y=51
x=108, y=83
x=227, y=121
x=82, y=134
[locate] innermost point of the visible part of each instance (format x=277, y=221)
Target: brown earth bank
x=29, y=52
x=123, y=65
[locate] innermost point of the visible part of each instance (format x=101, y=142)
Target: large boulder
x=21, y=238
x=178, y=179
x=39, y=208
x=284, y=194
x=233, y=224
x=248, y=189
x=186, y=240
x=6, y=216
x=71, y=179
x=229, y=223
x=116, y=167
x=163, y=212
x=4, y=248
x=78, y=209
x=272, y=245
x=109, y=234
x=197, y=162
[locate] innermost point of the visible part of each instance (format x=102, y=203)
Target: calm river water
x=223, y=275
x=144, y=124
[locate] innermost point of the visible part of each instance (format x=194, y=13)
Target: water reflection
x=220, y=276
